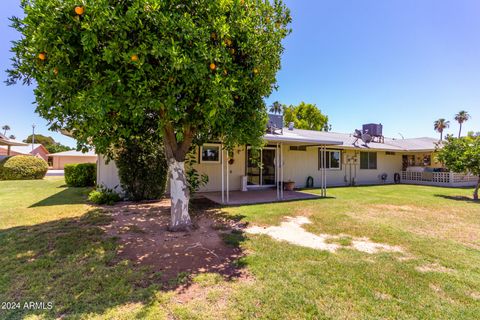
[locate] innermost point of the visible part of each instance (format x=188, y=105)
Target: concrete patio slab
x=256, y=196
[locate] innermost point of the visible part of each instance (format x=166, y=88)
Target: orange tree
x=198, y=68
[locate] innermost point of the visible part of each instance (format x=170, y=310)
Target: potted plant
x=289, y=185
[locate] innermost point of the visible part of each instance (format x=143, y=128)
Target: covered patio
x=257, y=196
x=4, y=141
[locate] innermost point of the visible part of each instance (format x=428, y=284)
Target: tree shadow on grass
x=75, y=265
x=67, y=262
x=457, y=198
x=66, y=196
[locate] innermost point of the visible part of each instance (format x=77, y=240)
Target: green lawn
x=54, y=251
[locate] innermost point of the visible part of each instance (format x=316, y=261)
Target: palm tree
x=461, y=117
x=276, y=107
x=5, y=128
x=12, y=137
x=439, y=125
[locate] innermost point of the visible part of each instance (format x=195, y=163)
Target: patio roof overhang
x=297, y=139
x=11, y=142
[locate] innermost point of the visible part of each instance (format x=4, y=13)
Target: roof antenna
x=401, y=135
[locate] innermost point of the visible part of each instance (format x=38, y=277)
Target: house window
x=210, y=153
x=368, y=160
x=298, y=148
x=332, y=161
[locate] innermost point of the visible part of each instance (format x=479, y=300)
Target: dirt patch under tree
x=211, y=247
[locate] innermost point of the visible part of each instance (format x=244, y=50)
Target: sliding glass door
x=261, y=168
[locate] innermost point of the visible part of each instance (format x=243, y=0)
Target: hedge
x=81, y=174
x=23, y=168
x=142, y=169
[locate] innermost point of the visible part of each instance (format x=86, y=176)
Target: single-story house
x=36, y=149
x=58, y=160
x=315, y=159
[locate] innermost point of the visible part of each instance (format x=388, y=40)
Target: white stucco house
x=315, y=158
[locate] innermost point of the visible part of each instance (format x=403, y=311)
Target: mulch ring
x=143, y=235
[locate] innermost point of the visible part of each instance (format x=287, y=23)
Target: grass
x=53, y=249
x=29, y=202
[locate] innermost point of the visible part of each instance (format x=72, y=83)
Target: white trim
x=210, y=161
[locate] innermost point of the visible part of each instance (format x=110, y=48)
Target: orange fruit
x=134, y=58
x=232, y=51
x=79, y=10
x=213, y=66
x=228, y=42
x=55, y=71
x=225, y=72
x=42, y=56
x=255, y=70
x=213, y=35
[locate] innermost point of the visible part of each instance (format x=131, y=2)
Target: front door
x=261, y=169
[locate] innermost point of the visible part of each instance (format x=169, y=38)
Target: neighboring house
x=58, y=160
x=37, y=150
x=329, y=158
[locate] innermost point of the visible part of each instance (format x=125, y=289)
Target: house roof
x=73, y=153
x=348, y=141
x=25, y=148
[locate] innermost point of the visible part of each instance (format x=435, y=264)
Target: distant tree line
x=304, y=116
x=48, y=142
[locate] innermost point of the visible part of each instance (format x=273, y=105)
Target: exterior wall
x=107, y=174
x=299, y=165
x=214, y=172
x=60, y=162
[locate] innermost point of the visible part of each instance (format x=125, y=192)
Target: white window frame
x=206, y=145
x=327, y=151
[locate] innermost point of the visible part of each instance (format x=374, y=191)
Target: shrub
x=142, y=168
x=22, y=168
x=103, y=195
x=80, y=175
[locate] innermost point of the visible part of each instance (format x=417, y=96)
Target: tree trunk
x=179, y=195
x=475, y=193
x=460, y=131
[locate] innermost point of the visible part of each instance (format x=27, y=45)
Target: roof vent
x=291, y=125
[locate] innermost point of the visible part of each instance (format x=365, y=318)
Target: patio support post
x=281, y=168
x=8, y=150
x=228, y=177
x=325, y=171
x=277, y=175
x=322, y=165
x=223, y=175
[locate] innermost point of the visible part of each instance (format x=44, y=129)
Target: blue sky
x=403, y=63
